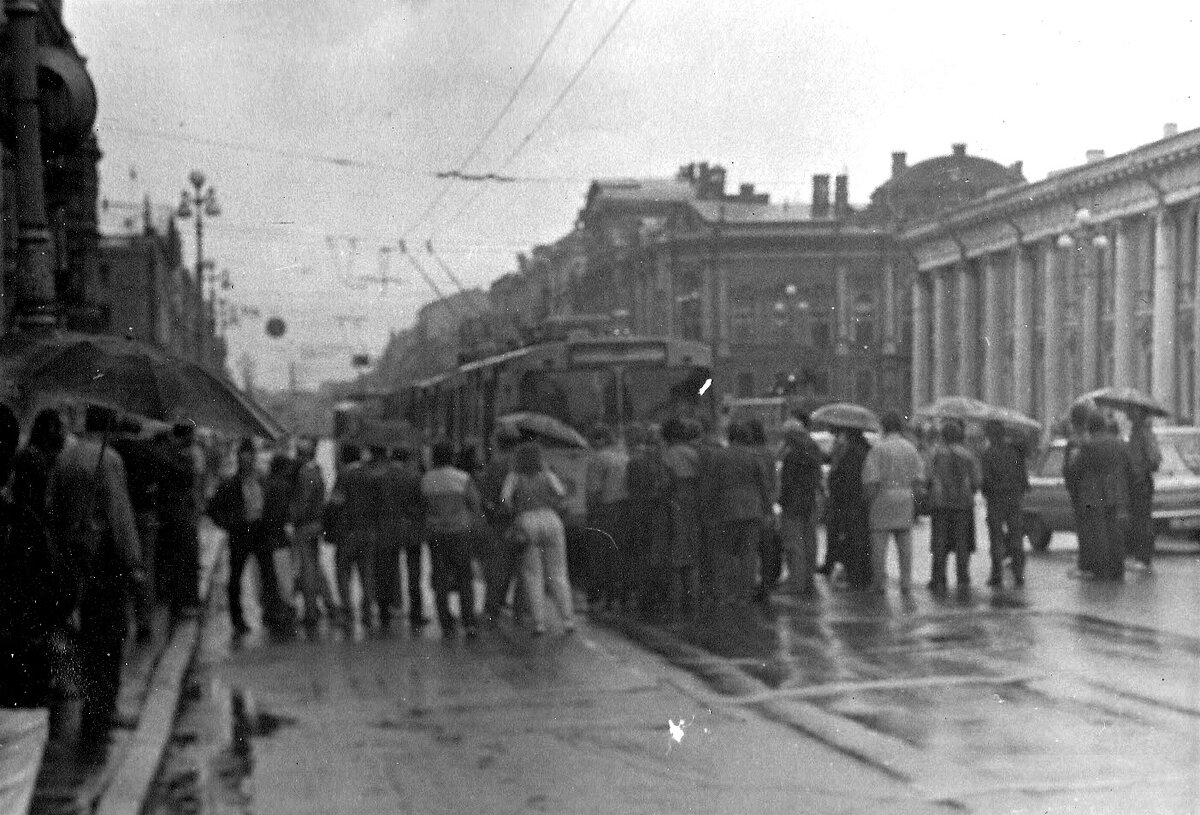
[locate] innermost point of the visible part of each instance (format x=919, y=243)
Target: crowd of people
x=98, y=539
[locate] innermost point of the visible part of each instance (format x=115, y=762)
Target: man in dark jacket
x=178, y=516
x=799, y=483
x=37, y=594
x=1005, y=482
x=741, y=492
x=1102, y=471
x=401, y=513
x=357, y=491
x=847, y=513
x=1145, y=458
x=308, y=501
x=954, y=478
x=237, y=507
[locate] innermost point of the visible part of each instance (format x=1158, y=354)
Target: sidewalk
x=67, y=785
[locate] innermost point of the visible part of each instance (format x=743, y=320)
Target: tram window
x=580, y=398
x=655, y=394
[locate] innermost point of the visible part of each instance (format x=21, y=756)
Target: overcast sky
x=321, y=123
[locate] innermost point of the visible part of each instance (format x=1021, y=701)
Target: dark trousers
x=605, y=540
x=952, y=534
x=103, y=627
x=848, y=541
x=770, y=558
x=387, y=571
x=1141, y=524
x=415, y=576
x=147, y=529
x=451, y=555
x=740, y=557
x=1102, y=534
x=244, y=544
x=1005, y=535
x=179, y=555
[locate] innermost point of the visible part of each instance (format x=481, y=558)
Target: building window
x=864, y=321
x=864, y=386
x=745, y=384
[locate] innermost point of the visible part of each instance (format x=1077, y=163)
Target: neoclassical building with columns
x=1038, y=292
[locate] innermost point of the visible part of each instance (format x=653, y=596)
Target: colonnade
x=1034, y=324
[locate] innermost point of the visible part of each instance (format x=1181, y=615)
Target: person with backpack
x=954, y=478
x=38, y=590
x=534, y=494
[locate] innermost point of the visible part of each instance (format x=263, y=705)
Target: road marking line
x=839, y=688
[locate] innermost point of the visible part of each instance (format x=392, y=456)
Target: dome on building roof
x=931, y=186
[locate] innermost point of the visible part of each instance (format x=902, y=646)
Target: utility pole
x=34, y=290
x=201, y=202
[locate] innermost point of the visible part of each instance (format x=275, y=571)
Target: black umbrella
x=132, y=376
x=1124, y=399
x=847, y=415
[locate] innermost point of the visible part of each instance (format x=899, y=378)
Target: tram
x=580, y=380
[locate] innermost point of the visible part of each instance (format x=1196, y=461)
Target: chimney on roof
x=820, y=196
x=1094, y=156
x=899, y=163
x=841, y=196
x=959, y=150
x=1017, y=170
x=1170, y=130
x=716, y=181
x=746, y=191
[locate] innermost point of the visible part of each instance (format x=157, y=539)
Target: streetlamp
x=1088, y=241
x=200, y=201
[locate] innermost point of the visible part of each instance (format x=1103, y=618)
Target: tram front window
x=579, y=398
x=653, y=395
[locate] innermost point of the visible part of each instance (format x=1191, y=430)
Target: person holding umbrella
x=954, y=478
x=891, y=473
x=847, y=513
x=1145, y=459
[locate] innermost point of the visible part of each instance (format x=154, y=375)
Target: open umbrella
x=1123, y=399
x=540, y=427
x=132, y=376
x=848, y=415
x=967, y=409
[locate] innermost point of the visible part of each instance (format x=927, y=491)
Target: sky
x=322, y=123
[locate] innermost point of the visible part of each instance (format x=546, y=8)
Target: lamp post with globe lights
x=199, y=202
x=1086, y=242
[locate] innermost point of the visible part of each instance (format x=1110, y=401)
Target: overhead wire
x=558, y=100
x=495, y=123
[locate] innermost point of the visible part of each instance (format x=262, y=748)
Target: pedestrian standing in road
x=32, y=465
x=954, y=478
x=1076, y=435
x=770, y=540
x=741, y=491
x=38, y=590
x=237, y=508
x=178, y=517
x=92, y=518
x=307, y=500
x=143, y=465
x=709, y=552
x=1146, y=458
x=648, y=482
x=534, y=495
x=1005, y=482
x=452, y=503
x=278, y=487
x=683, y=464
x=1103, y=471
x=799, y=484
x=401, y=519
x=505, y=565
x=357, y=495
x=847, y=514
x=607, y=535
x=892, y=473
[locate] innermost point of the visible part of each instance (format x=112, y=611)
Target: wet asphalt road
x=1063, y=697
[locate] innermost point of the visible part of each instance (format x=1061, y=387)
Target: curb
x=131, y=781
x=888, y=754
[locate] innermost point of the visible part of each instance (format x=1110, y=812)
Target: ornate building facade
x=1039, y=292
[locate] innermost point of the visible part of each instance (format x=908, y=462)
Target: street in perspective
x=539, y=420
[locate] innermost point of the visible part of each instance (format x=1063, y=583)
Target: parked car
x=1176, y=489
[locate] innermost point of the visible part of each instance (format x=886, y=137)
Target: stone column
x=920, y=341
x=721, y=346
x=708, y=306
x=1166, y=317
x=967, y=329
x=890, y=334
x=941, y=335
x=843, y=309
x=1125, y=293
x=1195, y=272
x=993, y=332
x=1054, y=335
x=1022, y=319
x=1089, y=318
